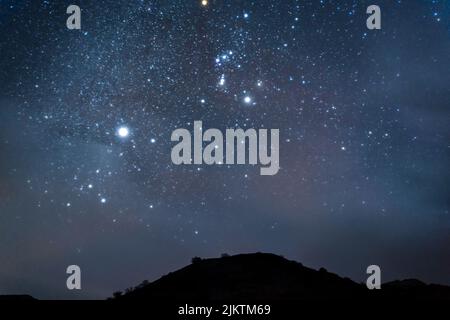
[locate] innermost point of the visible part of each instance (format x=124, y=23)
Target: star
x=123, y=132
x=222, y=80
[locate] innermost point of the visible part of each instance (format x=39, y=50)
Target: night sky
x=86, y=117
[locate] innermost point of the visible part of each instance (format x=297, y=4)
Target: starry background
x=364, y=138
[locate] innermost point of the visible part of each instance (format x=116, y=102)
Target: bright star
x=247, y=100
x=123, y=132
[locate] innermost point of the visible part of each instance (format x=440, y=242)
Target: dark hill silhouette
x=268, y=277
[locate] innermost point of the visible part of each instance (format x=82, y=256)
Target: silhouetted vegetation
x=196, y=259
